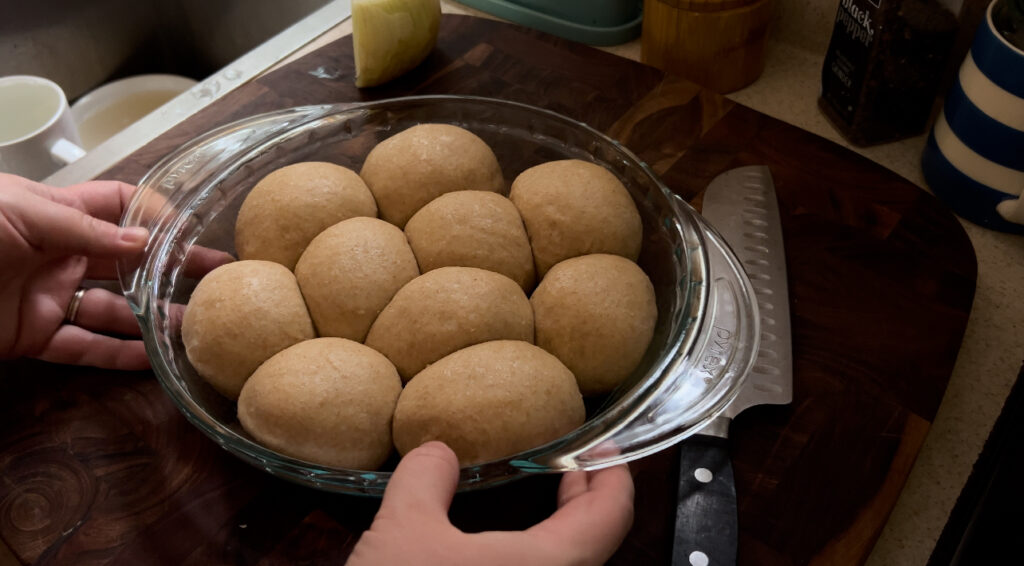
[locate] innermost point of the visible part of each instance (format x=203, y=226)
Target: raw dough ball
x=413, y=167
x=596, y=313
x=290, y=206
x=572, y=208
x=239, y=315
x=350, y=272
x=472, y=229
x=447, y=309
x=327, y=401
x=489, y=401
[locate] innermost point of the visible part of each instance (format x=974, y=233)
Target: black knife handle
x=706, y=527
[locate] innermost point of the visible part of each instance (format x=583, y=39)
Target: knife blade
x=741, y=204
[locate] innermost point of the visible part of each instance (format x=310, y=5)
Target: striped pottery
x=974, y=156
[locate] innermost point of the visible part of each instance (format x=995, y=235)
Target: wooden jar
x=719, y=44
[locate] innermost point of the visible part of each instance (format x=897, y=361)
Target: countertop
x=992, y=351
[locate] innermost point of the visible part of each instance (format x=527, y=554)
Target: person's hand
x=595, y=511
x=50, y=240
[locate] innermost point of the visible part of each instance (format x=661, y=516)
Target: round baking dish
x=705, y=341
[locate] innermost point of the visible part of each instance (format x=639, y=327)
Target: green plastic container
x=595, y=22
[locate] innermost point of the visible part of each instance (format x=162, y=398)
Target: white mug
x=37, y=134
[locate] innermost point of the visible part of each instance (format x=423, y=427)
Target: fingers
x=104, y=269
x=9, y=180
x=103, y=311
x=105, y=200
x=614, y=480
x=175, y=314
x=78, y=346
x=199, y=261
x=56, y=227
x=424, y=482
x=573, y=485
x=593, y=520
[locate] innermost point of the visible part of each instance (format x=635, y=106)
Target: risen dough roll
x=290, y=206
x=327, y=401
x=572, y=208
x=472, y=229
x=447, y=309
x=239, y=315
x=489, y=401
x=413, y=167
x=350, y=272
x=596, y=313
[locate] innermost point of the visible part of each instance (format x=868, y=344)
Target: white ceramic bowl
x=105, y=111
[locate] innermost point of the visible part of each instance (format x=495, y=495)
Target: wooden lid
x=706, y=5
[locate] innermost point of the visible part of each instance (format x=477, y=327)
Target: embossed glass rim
x=139, y=285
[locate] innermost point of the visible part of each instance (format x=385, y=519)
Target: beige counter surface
x=993, y=348
x=992, y=351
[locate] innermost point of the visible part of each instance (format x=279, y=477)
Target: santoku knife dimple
x=742, y=206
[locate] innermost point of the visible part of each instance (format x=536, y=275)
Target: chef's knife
x=741, y=204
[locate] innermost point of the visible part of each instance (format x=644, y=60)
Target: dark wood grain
x=99, y=468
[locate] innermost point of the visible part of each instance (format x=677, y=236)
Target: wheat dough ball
x=447, y=309
x=572, y=208
x=291, y=205
x=350, y=272
x=596, y=313
x=489, y=401
x=328, y=401
x=239, y=315
x=472, y=229
x=415, y=166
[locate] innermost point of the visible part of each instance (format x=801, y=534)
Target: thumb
x=595, y=512
x=424, y=482
x=56, y=227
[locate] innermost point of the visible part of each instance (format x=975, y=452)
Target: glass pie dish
x=705, y=341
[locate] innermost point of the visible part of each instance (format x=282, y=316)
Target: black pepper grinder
x=883, y=67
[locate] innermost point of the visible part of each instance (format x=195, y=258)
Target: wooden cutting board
x=98, y=467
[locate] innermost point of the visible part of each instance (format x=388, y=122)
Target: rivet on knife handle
x=706, y=508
